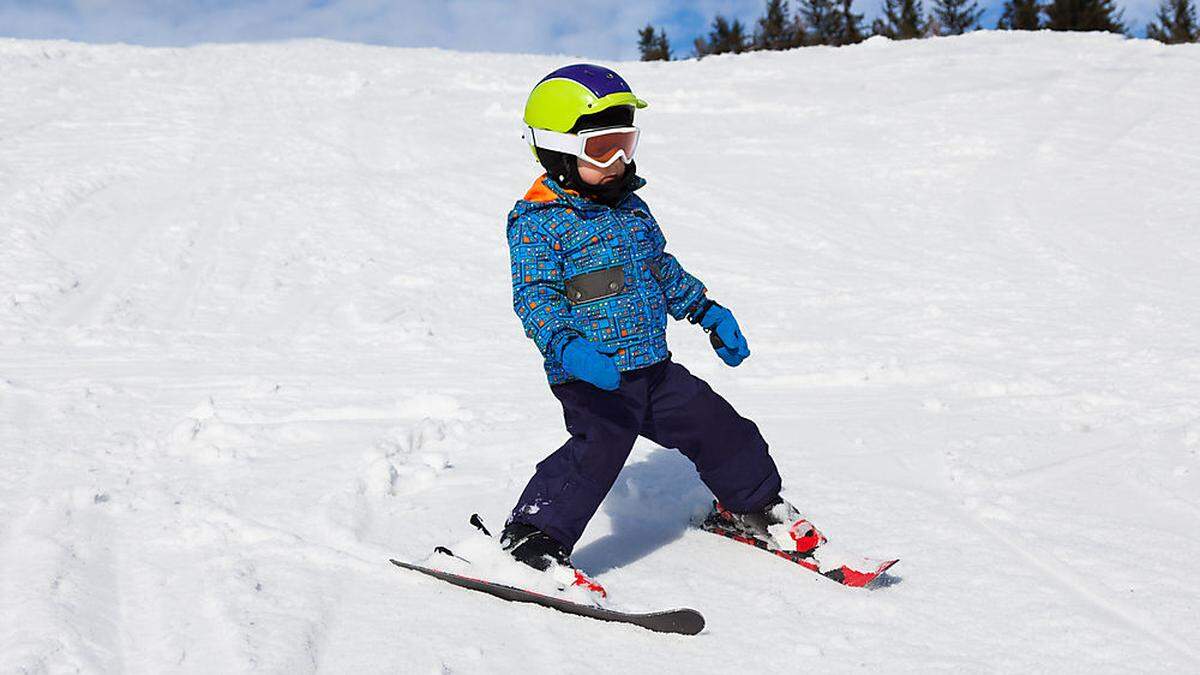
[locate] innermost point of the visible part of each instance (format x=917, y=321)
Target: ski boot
x=777, y=527
x=532, y=547
x=780, y=529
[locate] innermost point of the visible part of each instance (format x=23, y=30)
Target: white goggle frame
x=573, y=144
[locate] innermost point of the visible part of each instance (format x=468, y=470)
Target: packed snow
x=256, y=338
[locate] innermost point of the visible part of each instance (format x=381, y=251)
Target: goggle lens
x=604, y=147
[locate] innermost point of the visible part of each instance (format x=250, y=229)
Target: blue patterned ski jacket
x=556, y=237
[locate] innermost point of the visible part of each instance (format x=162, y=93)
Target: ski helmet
x=575, y=98
x=565, y=95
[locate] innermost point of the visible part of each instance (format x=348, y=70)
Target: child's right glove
x=724, y=333
x=583, y=360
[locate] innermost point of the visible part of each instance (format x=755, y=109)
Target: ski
x=681, y=621
x=859, y=573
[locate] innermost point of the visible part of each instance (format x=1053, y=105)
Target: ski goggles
x=600, y=147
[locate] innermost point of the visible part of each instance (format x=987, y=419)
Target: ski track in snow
x=256, y=338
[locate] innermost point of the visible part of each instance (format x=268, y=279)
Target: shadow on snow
x=651, y=505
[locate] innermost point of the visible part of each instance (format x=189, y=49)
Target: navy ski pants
x=666, y=404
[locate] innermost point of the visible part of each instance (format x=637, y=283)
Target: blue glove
x=724, y=333
x=584, y=360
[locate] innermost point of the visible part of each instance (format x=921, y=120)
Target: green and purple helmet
x=565, y=95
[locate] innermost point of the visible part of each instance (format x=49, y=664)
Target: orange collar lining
x=540, y=192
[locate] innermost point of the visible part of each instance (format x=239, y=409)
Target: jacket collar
x=546, y=189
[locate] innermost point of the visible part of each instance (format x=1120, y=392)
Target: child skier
x=593, y=285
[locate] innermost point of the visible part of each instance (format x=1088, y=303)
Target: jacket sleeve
x=537, y=282
x=684, y=292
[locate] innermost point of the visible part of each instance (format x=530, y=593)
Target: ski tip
x=848, y=576
x=881, y=579
x=886, y=566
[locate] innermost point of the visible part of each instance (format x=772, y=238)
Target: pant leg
x=569, y=485
x=727, y=449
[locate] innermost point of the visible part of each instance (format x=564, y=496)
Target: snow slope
x=255, y=338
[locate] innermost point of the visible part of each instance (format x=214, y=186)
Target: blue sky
x=600, y=30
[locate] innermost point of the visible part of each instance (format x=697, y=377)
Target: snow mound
x=256, y=339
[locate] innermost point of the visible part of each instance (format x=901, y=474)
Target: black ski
x=683, y=621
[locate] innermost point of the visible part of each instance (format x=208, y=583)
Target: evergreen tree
x=725, y=37
x=901, y=20
x=822, y=19
x=776, y=31
x=800, y=35
x=738, y=41
x=1176, y=23
x=646, y=47
x=654, y=47
x=955, y=17
x=664, y=45
x=1084, y=15
x=850, y=25
x=1020, y=15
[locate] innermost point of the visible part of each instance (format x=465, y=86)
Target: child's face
x=594, y=175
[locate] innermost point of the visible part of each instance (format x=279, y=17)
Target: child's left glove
x=723, y=332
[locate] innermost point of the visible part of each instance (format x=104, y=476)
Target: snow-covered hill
x=255, y=338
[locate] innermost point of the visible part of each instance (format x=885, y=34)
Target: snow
x=256, y=338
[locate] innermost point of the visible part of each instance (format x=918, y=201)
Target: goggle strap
x=551, y=140
x=573, y=144
x=555, y=140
